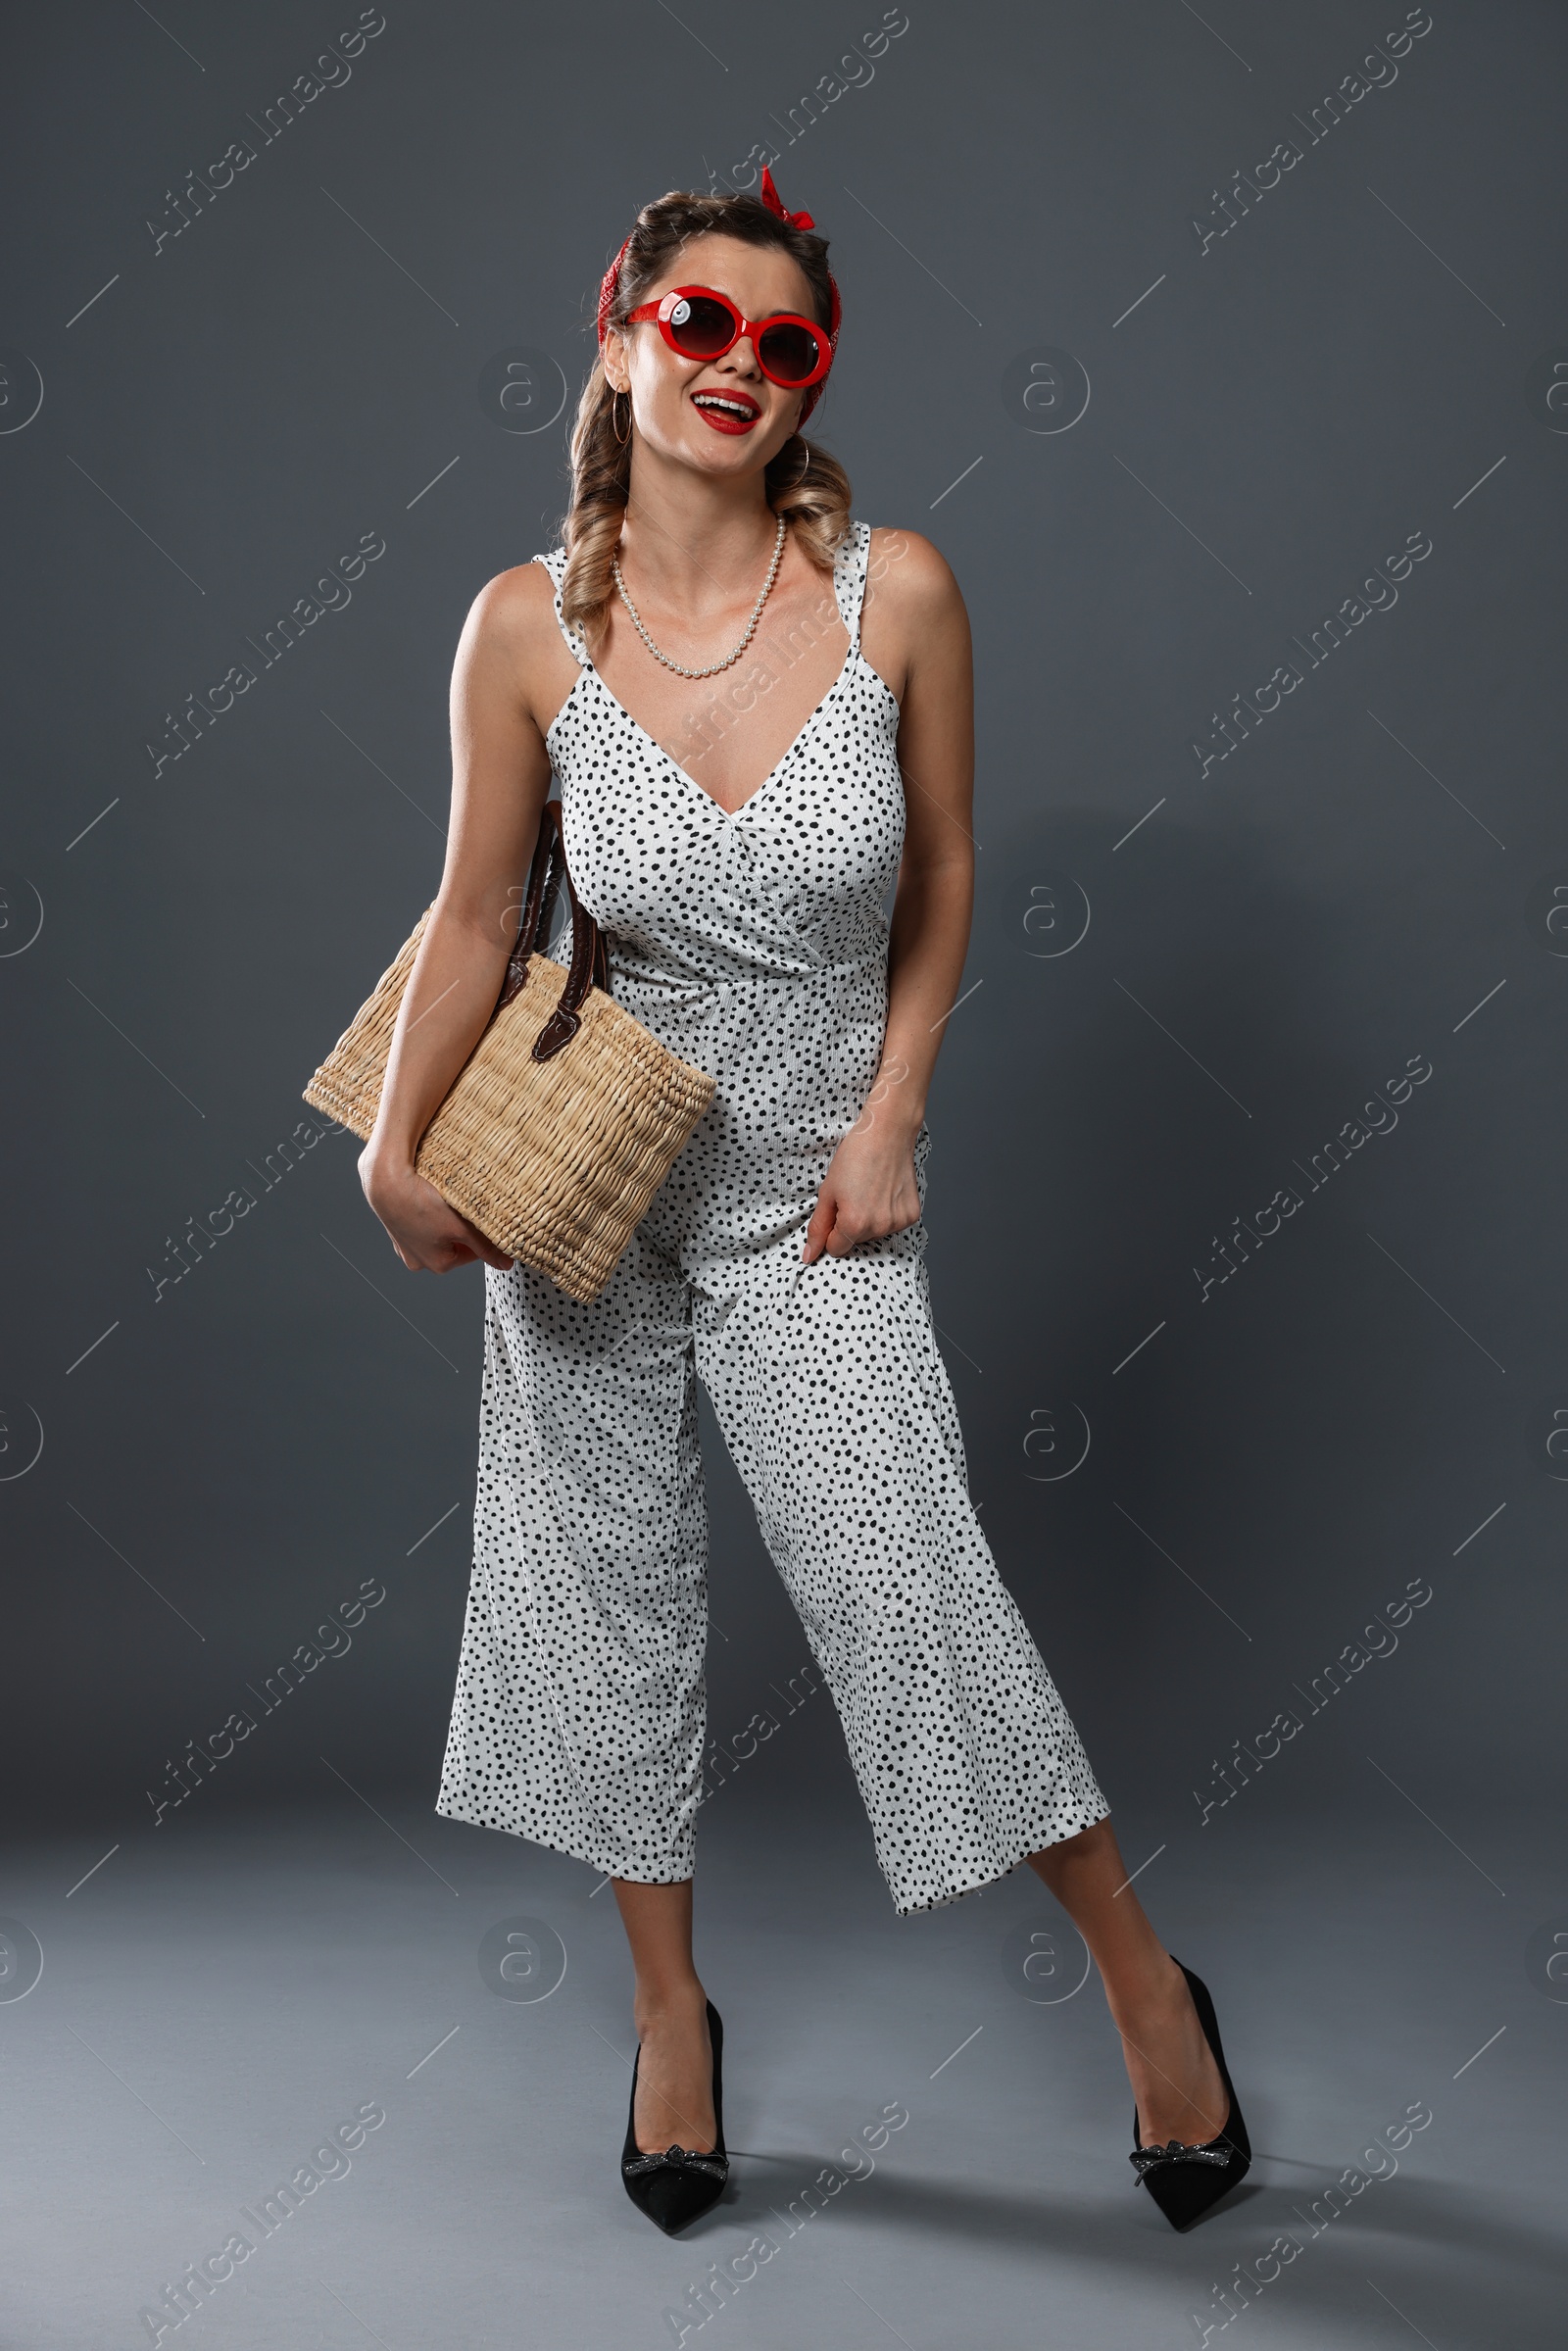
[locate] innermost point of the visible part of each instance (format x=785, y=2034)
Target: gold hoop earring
x=805, y=468
x=615, y=413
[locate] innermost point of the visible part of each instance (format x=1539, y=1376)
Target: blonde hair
x=803, y=483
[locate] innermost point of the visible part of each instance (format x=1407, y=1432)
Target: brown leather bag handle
x=589, y=963
x=538, y=899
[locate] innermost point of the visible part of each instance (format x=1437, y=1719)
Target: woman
x=739, y=872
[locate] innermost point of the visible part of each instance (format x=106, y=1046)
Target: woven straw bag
x=566, y=1116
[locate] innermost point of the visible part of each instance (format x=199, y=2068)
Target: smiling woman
x=804, y=485
x=782, y=1261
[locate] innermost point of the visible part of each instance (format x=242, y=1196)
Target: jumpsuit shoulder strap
x=555, y=563
x=849, y=580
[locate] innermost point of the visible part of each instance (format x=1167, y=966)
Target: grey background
x=1368, y=1401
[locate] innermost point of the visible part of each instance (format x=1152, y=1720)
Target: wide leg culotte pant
x=579, y=1719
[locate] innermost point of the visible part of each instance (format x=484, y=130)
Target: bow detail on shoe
x=1149, y=2159
x=678, y=2159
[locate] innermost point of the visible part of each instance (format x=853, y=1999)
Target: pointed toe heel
x=676, y=2187
x=1186, y=2182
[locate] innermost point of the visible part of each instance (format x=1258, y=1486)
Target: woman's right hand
x=429, y=1236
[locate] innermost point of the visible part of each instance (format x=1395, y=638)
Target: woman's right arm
x=499, y=782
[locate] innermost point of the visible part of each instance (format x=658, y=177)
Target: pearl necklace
x=713, y=667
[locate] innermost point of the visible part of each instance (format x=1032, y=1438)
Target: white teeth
x=731, y=408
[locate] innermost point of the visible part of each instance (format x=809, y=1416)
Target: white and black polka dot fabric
x=755, y=945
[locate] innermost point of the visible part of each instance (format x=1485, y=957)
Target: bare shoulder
x=514, y=612
x=512, y=648
x=914, y=579
x=916, y=625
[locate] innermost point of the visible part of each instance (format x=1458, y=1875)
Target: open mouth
x=728, y=411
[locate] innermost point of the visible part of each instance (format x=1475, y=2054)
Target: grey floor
x=222, y=1995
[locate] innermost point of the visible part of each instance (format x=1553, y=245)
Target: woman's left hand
x=869, y=1190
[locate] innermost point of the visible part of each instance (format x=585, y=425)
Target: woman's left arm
x=915, y=635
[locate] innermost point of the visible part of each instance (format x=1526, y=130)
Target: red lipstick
x=727, y=411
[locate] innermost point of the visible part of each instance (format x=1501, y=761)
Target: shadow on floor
x=1399, y=2239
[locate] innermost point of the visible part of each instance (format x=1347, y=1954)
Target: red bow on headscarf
x=769, y=196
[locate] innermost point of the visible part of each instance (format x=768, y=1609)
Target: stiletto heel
x=1185, y=2182
x=678, y=2186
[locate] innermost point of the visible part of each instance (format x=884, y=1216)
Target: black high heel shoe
x=1185, y=2182
x=678, y=2186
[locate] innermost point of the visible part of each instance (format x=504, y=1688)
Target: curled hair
x=803, y=483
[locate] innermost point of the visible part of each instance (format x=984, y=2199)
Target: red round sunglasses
x=700, y=323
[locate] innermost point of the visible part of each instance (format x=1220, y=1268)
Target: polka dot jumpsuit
x=755, y=945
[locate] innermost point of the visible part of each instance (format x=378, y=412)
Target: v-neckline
x=589, y=669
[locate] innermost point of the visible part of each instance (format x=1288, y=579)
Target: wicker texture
x=555, y=1161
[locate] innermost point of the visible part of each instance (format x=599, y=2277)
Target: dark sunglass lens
x=700, y=325
x=789, y=351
